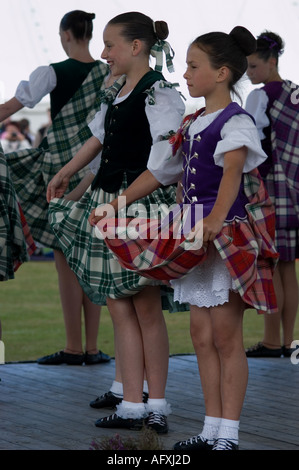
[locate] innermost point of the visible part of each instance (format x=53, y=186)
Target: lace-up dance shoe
x=259, y=350
x=62, y=357
x=157, y=421
x=194, y=443
x=115, y=421
x=225, y=444
x=98, y=358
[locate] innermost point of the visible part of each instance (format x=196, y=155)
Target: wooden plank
x=47, y=407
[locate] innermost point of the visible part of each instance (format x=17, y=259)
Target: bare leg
x=227, y=322
x=155, y=339
x=72, y=296
x=92, y=314
x=207, y=358
x=286, y=288
x=272, y=322
x=129, y=346
x=218, y=342
x=142, y=341
x=291, y=301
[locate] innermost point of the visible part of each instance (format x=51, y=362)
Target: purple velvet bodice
x=201, y=178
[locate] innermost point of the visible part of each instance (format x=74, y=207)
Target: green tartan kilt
x=13, y=248
x=95, y=265
x=31, y=170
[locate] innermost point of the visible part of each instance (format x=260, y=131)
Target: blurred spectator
x=42, y=131
x=25, y=129
x=12, y=138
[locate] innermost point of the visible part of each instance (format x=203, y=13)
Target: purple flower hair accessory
x=272, y=42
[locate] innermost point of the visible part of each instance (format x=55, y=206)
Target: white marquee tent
x=29, y=31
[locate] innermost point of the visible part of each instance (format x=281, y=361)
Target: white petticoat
x=207, y=285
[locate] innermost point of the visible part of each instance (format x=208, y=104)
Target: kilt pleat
x=31, y=170
x=16, y=243
x=98, y=270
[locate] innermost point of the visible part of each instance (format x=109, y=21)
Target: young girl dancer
x=275, y=109
x=74, y=86
x=146, y=111
x=219, y=150
x=16, y=242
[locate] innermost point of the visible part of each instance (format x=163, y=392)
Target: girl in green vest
x=74, y=86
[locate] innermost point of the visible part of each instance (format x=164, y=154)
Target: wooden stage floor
x=47, y=407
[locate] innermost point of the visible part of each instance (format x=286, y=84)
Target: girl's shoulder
x=164, y=99
x=160, y=88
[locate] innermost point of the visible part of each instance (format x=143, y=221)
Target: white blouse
x=256, y=105
x=237, y=132
x=41, y=81
x=164, y=115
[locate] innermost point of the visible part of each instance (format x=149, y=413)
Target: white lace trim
x=124, y=411
x=207, y=285
x=163, y=409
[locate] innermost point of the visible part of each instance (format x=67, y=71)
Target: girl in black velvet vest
x=126, y=139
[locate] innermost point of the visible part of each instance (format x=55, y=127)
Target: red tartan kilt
x=249, y=256
x=149, y=254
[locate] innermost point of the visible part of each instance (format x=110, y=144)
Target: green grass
x=32, y=321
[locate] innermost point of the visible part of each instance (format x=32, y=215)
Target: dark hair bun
x=245, y=40
x=270, y=40
x=162, y=30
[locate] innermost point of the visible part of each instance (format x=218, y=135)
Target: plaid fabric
x=32, y=169
x=98, y=271
x=157, y=51
x=154, y=254
x=246, y=247
x=287, y=243
x=16, y=243
x=282, y=182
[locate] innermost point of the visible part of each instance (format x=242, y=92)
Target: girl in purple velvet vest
x=275, y=108
x=216, y=152
x=220, y=151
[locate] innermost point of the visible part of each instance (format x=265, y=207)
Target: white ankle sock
x=128, y=409
x=158, y=404
x=210, y=428
x=229, y=429
x=117, y=389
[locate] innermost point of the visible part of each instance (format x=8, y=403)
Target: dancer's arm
x=234, y=162
x=145, y=184
x=59, y=184
x=9, y=108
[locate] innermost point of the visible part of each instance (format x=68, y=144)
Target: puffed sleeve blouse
x=237, y=132
x=41, y=81
x=164, y=109
x=256, y=105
